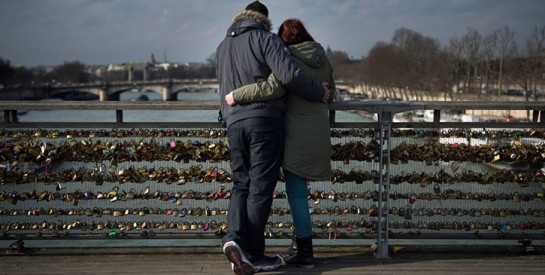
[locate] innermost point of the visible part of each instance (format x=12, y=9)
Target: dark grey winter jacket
x=249, y=54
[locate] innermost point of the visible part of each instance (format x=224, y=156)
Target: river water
x=151, y=115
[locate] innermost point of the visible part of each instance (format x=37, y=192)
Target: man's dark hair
x=257, y=6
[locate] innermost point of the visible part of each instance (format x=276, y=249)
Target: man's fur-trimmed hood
x=254, y=16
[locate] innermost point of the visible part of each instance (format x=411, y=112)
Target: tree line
x=411, y=64
x=417, y=65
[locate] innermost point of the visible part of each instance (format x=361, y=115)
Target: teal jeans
x=296, y=189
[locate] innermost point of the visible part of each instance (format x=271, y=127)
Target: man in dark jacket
x=249, y=54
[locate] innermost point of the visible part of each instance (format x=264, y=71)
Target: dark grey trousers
x=257, y=148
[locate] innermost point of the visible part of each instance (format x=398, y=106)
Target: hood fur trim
x=255, y=16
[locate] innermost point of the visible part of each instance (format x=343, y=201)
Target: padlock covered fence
x=441, y=178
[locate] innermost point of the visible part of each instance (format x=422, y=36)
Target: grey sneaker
x=239, y=263
x=266, y=263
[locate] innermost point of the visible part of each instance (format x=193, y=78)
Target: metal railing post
x=14, y=116
x=7, y=115
x=385, y=122
x=119, y=116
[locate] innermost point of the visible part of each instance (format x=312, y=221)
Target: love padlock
x=88, y=194
x=412, y=199
x=61, y=186
x=99, y=180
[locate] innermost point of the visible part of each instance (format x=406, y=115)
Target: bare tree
x=505, y=37
x=419, y=54
x=381, y=66
x=526, y=68
x=537, y=54
x=405, y=43
x=440, y=75
x=471, y=43
x=487, y=55
x=455, y=63
x=342, y=65
x=379, y=61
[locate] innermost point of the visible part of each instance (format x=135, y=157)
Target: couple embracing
x=274, y=92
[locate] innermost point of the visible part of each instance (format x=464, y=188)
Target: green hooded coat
x=307, y=150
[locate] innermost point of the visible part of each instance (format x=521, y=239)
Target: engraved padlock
x=436, y=189
x=61, y=185
x=408, y=215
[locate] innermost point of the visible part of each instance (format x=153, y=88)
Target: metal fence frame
x=384, y=109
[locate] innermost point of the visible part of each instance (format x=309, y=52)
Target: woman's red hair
x=292, y=31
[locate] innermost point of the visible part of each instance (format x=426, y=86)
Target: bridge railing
x=441, y=178
x=381, y=108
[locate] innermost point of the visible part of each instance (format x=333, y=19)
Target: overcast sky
x=51, y=32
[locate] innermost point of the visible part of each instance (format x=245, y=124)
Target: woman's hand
x=327, y=92
x=230, y=100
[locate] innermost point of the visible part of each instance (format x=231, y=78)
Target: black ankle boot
x=305, y=255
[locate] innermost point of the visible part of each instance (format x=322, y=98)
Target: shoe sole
x=285, y=261
x=239, y=266
x=305, y=266
x=266, y=268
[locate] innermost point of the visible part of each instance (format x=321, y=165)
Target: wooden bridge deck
x=462, y=260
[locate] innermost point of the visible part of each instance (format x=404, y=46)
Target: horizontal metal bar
x=10, y=109
x=402, y=106
x=371, y=106
x=512, y=125
x=109, y=105
x=78, y=125
x=370, y=125
x=367, y=125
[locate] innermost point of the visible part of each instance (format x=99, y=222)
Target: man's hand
x=327, y=92
x=230, y=100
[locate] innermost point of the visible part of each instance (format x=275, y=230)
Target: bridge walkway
x=205, y=257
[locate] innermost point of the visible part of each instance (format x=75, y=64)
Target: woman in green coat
x=307, y=151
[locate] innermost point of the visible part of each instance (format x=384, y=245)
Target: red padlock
x=412, y=199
